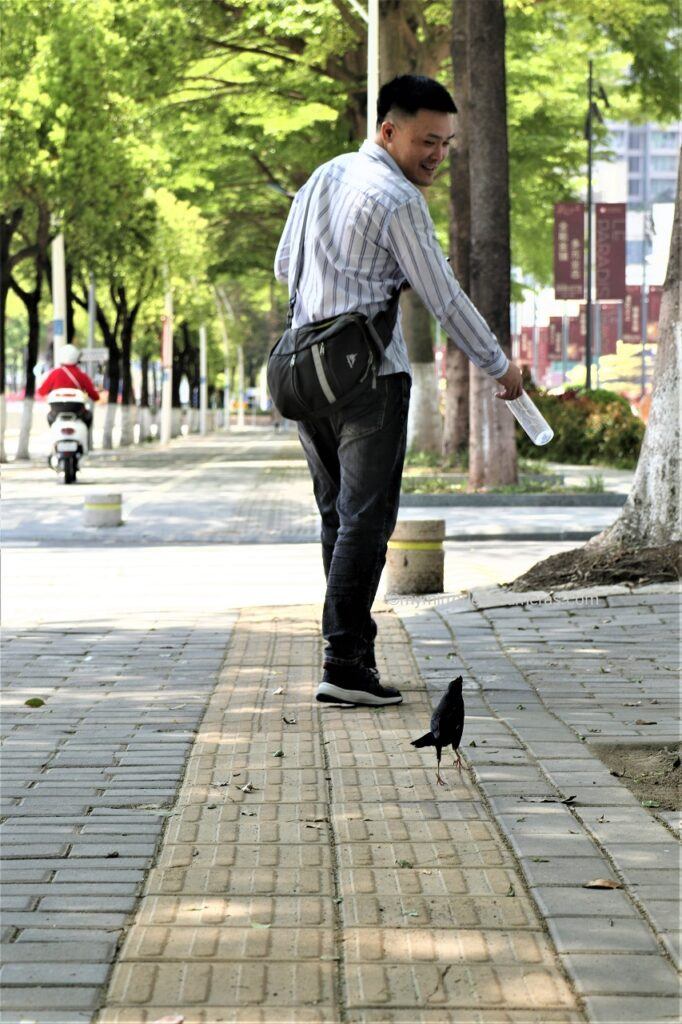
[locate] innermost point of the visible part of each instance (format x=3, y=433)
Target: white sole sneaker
x=328, y=693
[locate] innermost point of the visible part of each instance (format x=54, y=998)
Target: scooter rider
x=69, y=375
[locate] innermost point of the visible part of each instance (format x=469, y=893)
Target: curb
x=608, y=500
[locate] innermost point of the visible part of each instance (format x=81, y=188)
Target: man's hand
x=513, y=383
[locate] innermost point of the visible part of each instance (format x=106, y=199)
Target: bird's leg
x=458, y=760
x=439, y=780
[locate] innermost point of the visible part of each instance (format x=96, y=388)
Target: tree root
x=589, y=567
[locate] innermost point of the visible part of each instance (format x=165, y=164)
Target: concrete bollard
x=102, y=510
x=415, y=557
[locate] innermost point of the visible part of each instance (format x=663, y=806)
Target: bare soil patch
x=652, y=773
x=582, y=567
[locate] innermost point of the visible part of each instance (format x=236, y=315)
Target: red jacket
x=60, y=378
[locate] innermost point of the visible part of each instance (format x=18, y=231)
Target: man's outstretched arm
x=411, y=238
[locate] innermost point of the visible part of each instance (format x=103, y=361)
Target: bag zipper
x=321, y=375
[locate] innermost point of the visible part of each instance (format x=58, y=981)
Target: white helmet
x=68, y=355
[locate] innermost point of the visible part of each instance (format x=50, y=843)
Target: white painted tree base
x=424, y=422
x=128, y=419
x=109, y=423
x=25, y=429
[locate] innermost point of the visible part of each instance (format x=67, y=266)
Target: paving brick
x=440, y=911
x=53, y=973
x=621, y=974
x=52, y=998
x=445, y=946
x=224, y=1014
x=256, y=941
x=608, y=934
x=633, y=1009
x=50, y=952
x=454, y=985
x=223, y=984
x=571, y=901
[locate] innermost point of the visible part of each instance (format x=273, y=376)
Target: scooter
x=68, y=433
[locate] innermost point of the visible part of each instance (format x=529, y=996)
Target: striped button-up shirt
x=368, y=230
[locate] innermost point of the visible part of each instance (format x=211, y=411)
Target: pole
x=535, y=340
x=644, y=310
x=372, y=66
x=167, y=366
x=203, y=383
x=221, y=305
x=240, y=386
x=597, y=337
x=564, y=344
x=58, y=296
x=588, y=311
x=91, y=312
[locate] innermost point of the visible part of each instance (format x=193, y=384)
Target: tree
x=643, y=545
x=456, y=424
x=492, y=450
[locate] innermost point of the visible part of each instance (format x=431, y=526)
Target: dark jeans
x=356, y=460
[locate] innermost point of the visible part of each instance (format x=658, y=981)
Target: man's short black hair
x=410, y=93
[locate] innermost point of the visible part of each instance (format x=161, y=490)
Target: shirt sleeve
x=87, y=385
x=411, y=238
x=45, y=386
x=283, y=254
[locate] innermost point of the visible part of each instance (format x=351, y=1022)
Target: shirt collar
x=376, y=152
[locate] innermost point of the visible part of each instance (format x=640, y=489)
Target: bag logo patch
x=350, y=359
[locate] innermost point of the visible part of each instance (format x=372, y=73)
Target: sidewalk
x=140, y=879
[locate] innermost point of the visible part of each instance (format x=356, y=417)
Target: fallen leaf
x=288, y=721
x=569, y=799
x=605, y=670
x=410, y=913
x=114, y=853
x=310, y=825
x=645, y=721
x=257, y=924
x=276, y=693
x=632, y=704
x=650, y=803
x=473, y=743
x=327, y=819
x=404, y=863
x=511, y=891
x=211, y=807
x=602, y=883
x=34, y=702
x=520, y=707
x=278, y=753
x=248, y=788
x=603, y=818
x=249, y=814
x=540, y=860
x=235, y=774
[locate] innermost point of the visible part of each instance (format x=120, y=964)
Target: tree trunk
x=490, y=264
x=404, y=49
x=424, y=422
x=31, y=300
x=651, y=514
x=114, y=379
x=456, y=426
x=145, y=416
x=128, y=408
x=8, y=225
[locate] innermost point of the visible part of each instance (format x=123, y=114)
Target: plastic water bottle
x=531, y=419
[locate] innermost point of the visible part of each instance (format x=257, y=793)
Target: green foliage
x=589, y=427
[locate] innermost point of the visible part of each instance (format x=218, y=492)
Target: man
x=368, y=233
x=69, y=375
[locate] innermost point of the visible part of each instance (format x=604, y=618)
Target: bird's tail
x=424, y=741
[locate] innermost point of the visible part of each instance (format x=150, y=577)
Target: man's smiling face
x=418, y=143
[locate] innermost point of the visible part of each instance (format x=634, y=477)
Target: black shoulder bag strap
x=381, y=326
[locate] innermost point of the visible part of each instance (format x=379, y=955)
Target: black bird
x=447, y=725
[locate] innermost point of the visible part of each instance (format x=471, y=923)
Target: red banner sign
x=569, y=250
x=543, y=351
x=555, y=330
x=632, y=314
x=576, y=337
x=610, y=250
x=526, y=345
x=608, y=320
x=653, y=310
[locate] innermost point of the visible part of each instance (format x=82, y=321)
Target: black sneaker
x=354, y=684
